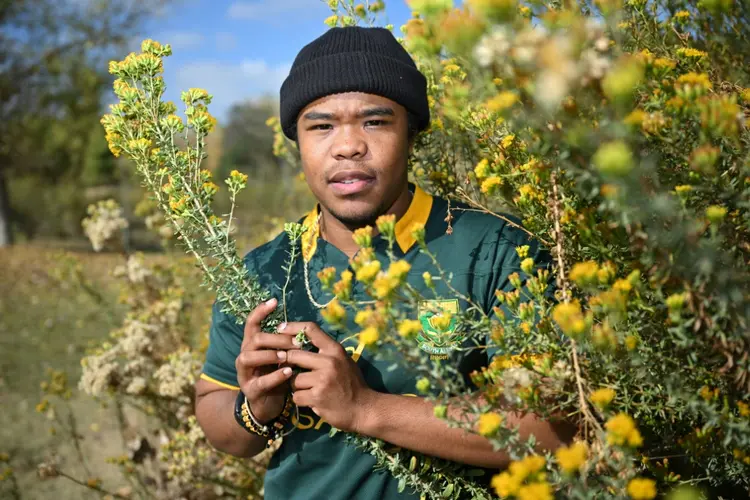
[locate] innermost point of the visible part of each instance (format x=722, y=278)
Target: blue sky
x=239, y=50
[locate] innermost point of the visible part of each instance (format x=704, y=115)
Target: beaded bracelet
x=272, y=430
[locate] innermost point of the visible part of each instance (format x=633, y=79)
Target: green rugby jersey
x=480, y=254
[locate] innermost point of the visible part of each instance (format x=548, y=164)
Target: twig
x=563, y=284
x=483, y=209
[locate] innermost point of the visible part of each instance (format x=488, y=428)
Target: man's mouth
x=349, y=182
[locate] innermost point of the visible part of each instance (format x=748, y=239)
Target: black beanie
x=353, y=59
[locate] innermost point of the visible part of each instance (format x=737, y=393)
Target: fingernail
x=271, y=301
x=281, y=355
x=281, y=327
x=287, y=371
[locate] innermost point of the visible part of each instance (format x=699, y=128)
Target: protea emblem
x=439, y=321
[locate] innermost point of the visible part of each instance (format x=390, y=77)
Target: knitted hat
x=353, y=59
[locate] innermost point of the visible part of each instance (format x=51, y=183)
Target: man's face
x=354, y=149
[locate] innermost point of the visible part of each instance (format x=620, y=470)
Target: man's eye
x=321, y=126
x=375, y=123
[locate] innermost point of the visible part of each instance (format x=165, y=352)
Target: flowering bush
x=150, y=364
x=616, y=131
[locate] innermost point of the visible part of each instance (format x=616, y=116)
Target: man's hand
x=334, y=387
x=264, y=385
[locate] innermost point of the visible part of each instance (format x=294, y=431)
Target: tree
x=53, y=59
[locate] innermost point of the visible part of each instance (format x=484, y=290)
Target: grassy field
x=46, y=324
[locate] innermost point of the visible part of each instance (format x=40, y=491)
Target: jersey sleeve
x=225, y=339
x=508, y=262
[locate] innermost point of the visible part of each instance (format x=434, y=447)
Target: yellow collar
x=418, y=212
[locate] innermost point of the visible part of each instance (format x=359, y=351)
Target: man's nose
x=349, y=145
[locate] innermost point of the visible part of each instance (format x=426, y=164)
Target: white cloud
x=181, y=39
x=231, y=83
x=263, y=9
x=225, y=41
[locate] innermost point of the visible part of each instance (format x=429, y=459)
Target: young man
x=353, y=101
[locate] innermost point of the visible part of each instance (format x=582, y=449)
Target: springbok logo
x=439, y=322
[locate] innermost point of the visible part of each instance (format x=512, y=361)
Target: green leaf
x=413, y=464
x=401, y=485
x=448, y=491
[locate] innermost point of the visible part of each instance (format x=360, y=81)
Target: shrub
x=616, y=131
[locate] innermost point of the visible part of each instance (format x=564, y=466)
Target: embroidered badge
x=439, y=323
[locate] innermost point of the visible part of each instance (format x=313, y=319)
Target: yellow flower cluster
x=363, y=237
x=570, y=318
x=743, y=408
x=334, y=312
x=641, y=489
x=369, y=335
x=511, y=483
x=584, y=273
x=691, y=53
x=489, y=423
x=409, y=328
x=368, y=271
x=502, y=101
x=621, y=430
x=482, y=169
x=572, y=458
x=602, y=397
x=490, y=184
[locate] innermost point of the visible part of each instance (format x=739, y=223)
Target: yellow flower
x=691, y=52
x=489, y=423
x=334, y=312
x=631, y=342
x=696, y=79
x=369, y=335
x=210, y=188
x=570, y=318
x=490, y=184
x=409, y=328
x=398, y=270
x=622, y=286
x=614, y=158
x=641, y=489
x=522, y=251
x=621, y=430
x=535, y=491
x=505, y=484
x=363, y=237
x=683, y=189
x=527, y=265
x=744, y=409
x=502, y=101
x=342, y=288
x=417, y=231
x=238, y=176
x=584, y=273
x=384, y=285
x=635, y=117
x=326, y=277
x=331, y=21
x=602, y=397
x=572, y=458
x=367, y=272
x=681, y=14
x=507, y=141
x=363, y=317
x=482, y=169
x=386, y=224
x=716, y=213
x=526, y=467
x=664, y=63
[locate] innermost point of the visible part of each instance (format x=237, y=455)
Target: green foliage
x=612, y=131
